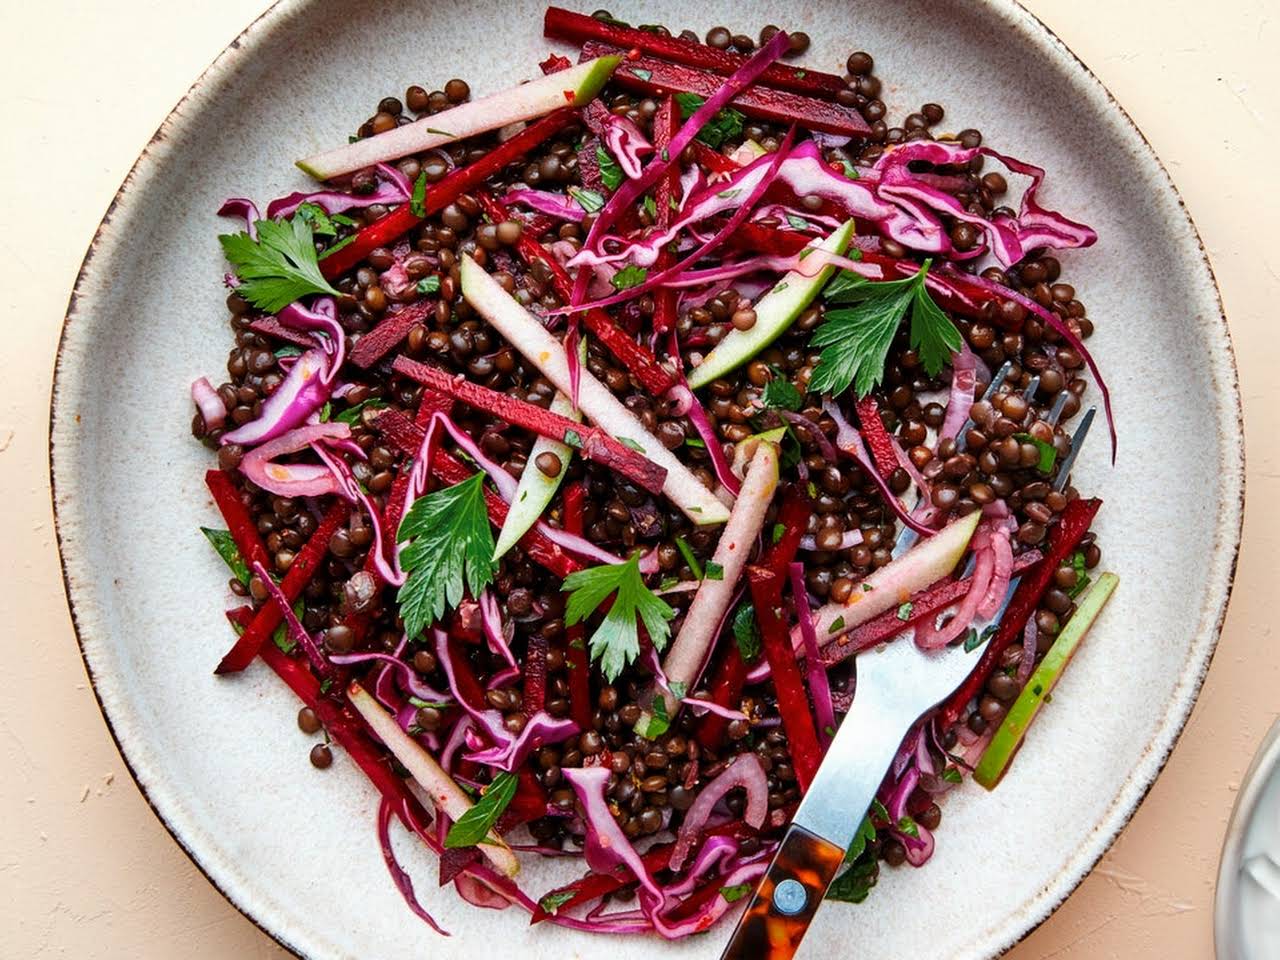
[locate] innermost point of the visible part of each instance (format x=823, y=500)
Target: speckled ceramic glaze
x=221, y=760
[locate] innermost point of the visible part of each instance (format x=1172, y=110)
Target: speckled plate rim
x=1029, y=30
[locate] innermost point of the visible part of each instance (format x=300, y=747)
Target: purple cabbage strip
x=553, y=204
x=740, y=215
x=626, y=143
x=715, y=449
x=295, y=628
x=819, y=687
x=507, y=752
x=408, y=679
x=242, y=207
x=320, y=317
x=304, y=391
x=399, y=876
x=393, y=188
x=1059, y=326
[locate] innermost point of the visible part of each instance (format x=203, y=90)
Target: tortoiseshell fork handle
x=774, y=923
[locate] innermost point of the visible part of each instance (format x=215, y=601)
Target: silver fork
x=896, y=684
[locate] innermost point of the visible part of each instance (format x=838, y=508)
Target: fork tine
x=1077, y=441
x=1056, y=413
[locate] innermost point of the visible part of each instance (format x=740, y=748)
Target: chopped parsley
x=642, y=74
x=588, y=200
x=1082, y=574
x=836, y=625
x=686, y=551
x=1048, y=452
x=655, y=723
x=628, y=277
x=616, y=642
x=904, y=610
x=797, y=223
x=474, y=825
x=351, y=415
x=610, y=172
x=713, y=571
x=450, y=550
x=277, y=268
x=746, y=632
x=417, y=200
x=556, y=899
x=725, y=125
x=952, y=775
x=226, y=548
x=855, y=340
x=781, y=394
x=736, y=892
x=908, y=828
x=429, y=285
x=778, y=532
x=650, y=206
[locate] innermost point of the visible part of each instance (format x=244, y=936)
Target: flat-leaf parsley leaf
x=616, y=642
x=474, y=825
x=279, y=267
x=855, y=340
x=450, y=549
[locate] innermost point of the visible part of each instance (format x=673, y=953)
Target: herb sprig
x=473, y=826
x=616, y=642
x=450, y=549
x=279, y=267
x=855, y=340
x=725, y=125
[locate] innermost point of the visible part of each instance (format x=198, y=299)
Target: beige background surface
x=87, y=871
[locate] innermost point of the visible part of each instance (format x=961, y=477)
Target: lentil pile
x=343, y=603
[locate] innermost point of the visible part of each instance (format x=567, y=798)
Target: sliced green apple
x=446, y=796
x=893, y=584
x=536, y=489
x=688, y=652
x=527, y=334
x=1008, y=738
x=775, y=312
x=566, y=88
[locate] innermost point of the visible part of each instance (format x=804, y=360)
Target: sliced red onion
x=998, y=542
x=294, y=479
x=393, y=188
x=305, y=389
x=626, y=143
x=1055, y=323
x=242, y=207
x=819, y=687
x=553, y=204
x=212, y=410
x=930, y=637
x=399, y=876
x=964, y=377
x=297, y=632
x=745, y=771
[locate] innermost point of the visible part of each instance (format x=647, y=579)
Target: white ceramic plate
x=221, y=761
